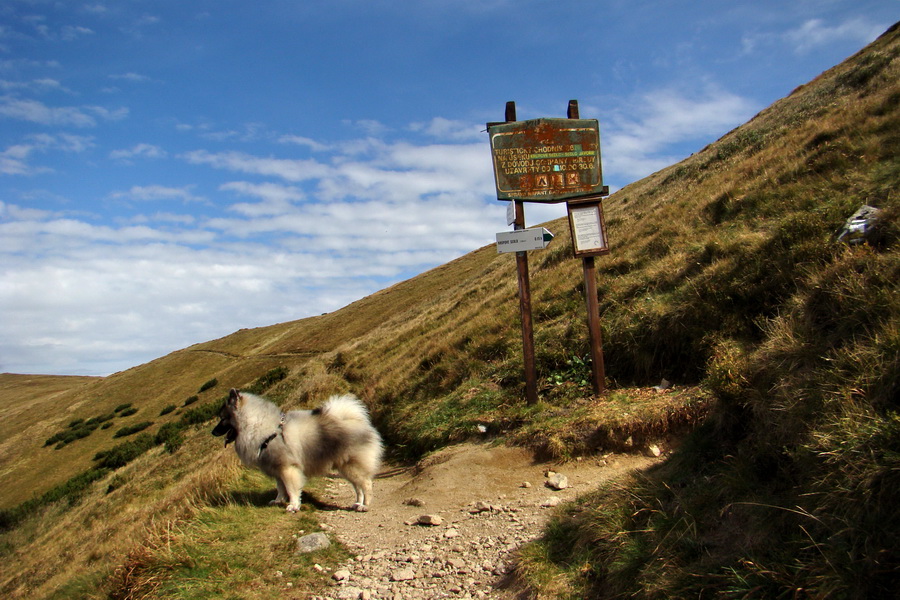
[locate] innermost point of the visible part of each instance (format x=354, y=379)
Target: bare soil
x=488, y=500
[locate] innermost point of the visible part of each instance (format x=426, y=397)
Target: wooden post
x=593, y=306
x=593, y=313
x=525, y=310
x=524, y=295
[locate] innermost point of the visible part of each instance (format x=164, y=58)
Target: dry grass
x=789, y=489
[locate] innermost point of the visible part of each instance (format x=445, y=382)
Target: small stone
x=481, y=507
x=653, y=450
x=551, y=502
x=526, y=484
x=341, y=575
x=430, y=520
x=349, y=593
x=451, y=533
x=414, y=502
x=403, y=575
x=558, y=481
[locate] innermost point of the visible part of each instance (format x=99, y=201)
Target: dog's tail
x=345, y=408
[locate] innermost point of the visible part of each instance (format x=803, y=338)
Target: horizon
x=172, y=173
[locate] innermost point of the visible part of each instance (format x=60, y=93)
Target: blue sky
x=172, y=171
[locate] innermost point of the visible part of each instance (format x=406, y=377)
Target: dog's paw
x=276, y=502
x=360, y=507
x=292, y=508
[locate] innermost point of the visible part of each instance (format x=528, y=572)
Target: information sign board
x=546, y=160
x=588, y=229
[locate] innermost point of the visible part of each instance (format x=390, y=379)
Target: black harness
x=266, y=441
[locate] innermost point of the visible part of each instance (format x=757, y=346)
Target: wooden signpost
x=552, y=160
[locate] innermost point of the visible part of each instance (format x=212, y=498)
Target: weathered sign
x=546, y=160
x=521, y=240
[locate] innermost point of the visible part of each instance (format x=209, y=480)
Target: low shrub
x=132, y=429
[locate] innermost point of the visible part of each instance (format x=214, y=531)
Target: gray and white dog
x=295, y=445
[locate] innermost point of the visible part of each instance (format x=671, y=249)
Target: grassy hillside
x=790, y=490
x=724, y=278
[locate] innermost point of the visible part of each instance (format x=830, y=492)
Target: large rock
x=312, y=542
x=557, y=481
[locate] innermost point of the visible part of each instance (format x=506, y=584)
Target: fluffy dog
x=299, y=444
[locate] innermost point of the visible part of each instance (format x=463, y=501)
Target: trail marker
x=523, y=239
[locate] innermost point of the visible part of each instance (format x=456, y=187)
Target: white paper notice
x=587, y=227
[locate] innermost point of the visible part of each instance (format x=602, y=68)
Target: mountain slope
x=790, y=489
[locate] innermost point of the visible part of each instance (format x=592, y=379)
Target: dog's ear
x=234, y=398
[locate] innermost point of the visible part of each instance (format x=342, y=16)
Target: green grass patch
x=235, y=549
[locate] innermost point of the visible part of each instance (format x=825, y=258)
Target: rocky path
x=449, y=527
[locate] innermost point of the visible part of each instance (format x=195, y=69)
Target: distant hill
x=725, y=279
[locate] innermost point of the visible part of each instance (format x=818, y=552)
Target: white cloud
x=35, y=85
x=368, y=126
x=816, y=33
x=138, y=151
x=304, y=141
x=288, y=169
x=647, y=135
x=66, y=142
x=448, y=129
x=15, y=159
x=38, y=112
x=130, y=76
x=276, y=199
x=71, y=32
x=146, y=193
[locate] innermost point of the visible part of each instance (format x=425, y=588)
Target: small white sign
x=523, y=239
x=510, y=212
x=588, y=232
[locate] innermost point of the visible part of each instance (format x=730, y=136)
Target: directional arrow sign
x=523, y=239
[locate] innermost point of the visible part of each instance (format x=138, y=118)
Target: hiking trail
x=482, y=504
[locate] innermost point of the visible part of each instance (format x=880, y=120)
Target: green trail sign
x=546, y=160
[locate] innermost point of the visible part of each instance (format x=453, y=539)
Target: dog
x=295, y=445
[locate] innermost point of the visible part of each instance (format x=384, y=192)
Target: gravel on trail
x=450, y=526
